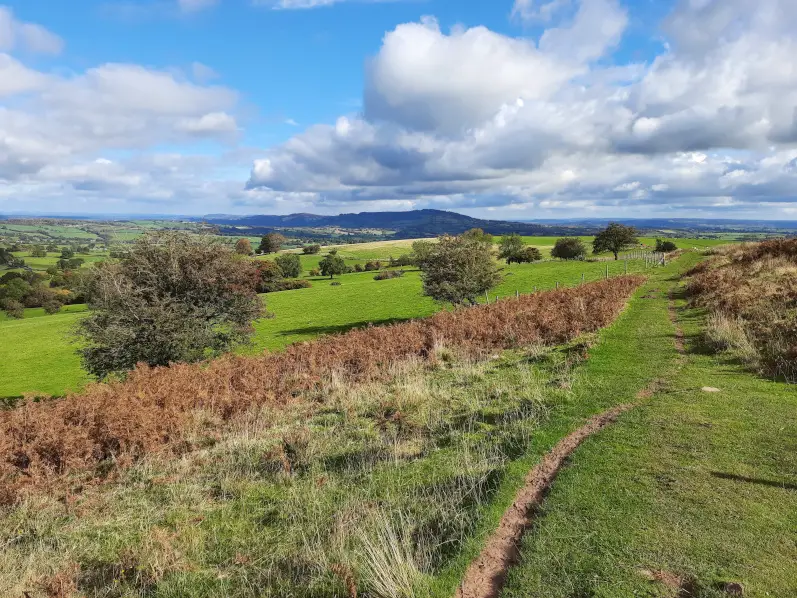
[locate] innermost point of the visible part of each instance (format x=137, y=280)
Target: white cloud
x=15, y=34
x=475, y=118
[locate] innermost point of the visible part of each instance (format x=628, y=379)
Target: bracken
x=112, y=425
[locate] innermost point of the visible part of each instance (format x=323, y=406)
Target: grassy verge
x=697, y=484
x=391, y=485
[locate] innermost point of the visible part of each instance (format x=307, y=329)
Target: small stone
x=710, y=389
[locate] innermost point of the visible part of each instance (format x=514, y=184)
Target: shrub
x=665, y=246
x=176, y=297
x=284, y=284
x=569, y=248
x=13, y=308
x=457, y=269
x=290, y=264
x=528, y=255
x=315, y=272
x=311, y=249
x=358, y=268
x=402, y=261
x=335, y=283
x=372, y=266
x=388, y=274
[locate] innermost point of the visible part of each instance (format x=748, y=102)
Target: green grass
x=37, y=356
x=702, y=485
x=49, y=365
x=437, y=451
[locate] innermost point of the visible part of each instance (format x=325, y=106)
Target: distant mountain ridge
x=408, y=225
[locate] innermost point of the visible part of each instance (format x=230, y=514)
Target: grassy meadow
x=39, y=357
x=389, y=488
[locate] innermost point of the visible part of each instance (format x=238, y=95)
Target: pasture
x=48, y=363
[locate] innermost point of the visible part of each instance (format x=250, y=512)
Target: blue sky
x=505, y=109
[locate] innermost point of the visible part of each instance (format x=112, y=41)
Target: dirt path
x=487, y=574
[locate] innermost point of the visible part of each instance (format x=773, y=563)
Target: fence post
x=626, y=266
x=487, y=297
x=607, y=269
x=557, y=284
x=582, y=278
x=517, y=294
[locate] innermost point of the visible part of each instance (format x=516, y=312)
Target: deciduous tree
x=615, y=238
x=271, y=243
x=457, y=269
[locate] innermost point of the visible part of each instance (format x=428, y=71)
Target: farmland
x=412, y=466
x=298, y=315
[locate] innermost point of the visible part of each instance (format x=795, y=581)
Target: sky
x=512, y=109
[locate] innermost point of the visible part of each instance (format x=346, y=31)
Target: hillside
x=407, y=225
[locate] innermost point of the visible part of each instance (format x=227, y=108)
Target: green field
x=298, y=315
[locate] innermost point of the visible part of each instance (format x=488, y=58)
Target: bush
x=388, y=274
x=335, y=283
x=284, y=284
x=311, y=249
x=402, y=261
x=372, y=266
x=315, y=272
x=176, y=297
x=665, y=246
x=13, y=308
x=290, y=264
x=511, y=248
x=751, y=292
x=358, y=268
x=569, y=248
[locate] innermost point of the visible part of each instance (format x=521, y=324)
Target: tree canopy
x=457, y=269
x=271, y=243
x=331, y=265
x=510, y=248
x=615, y=238
x=290, y=264
x=243, y=247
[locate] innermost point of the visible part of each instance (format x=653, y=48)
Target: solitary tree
x=569, y=248
x=510, y=248
x=174, y=297
x=311, y=249
x=271, y=243
x=243, y=247
x=290, y=264
x=38, y=251
x=457, y=269
x=67, y=253
x=528, y=255
x=331, y=265
x=615, y=238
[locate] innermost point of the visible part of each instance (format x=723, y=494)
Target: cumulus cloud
x=57, y=130
x=474, y=118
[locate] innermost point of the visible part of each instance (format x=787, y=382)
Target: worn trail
x=486, y=575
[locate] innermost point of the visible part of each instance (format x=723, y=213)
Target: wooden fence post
x=487, y=297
